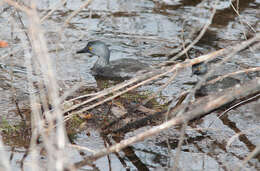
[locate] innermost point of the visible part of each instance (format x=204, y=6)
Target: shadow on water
x=227, y=15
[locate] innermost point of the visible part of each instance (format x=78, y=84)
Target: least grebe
x=123, y=68
x=200, y=68
x=214, y=87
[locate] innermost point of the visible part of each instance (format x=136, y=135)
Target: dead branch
x=198, y=109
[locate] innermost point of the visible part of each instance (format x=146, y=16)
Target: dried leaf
x=3, y=44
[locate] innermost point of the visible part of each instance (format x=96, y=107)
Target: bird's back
x=123, y=68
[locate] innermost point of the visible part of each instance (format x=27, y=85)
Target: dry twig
x=197, y=109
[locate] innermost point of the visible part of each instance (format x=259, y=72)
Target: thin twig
x=76, y=12
x=234, y=73
x=195, y=111
x=57, y=5
x=202, y=32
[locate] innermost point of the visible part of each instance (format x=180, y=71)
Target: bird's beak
x=83, y=51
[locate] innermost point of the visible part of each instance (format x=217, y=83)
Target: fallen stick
x=195, y=110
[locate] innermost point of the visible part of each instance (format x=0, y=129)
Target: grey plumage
x=123, y=68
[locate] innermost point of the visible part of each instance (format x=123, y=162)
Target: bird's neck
x=101, y=62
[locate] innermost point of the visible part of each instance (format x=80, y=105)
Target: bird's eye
x=90, y=48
